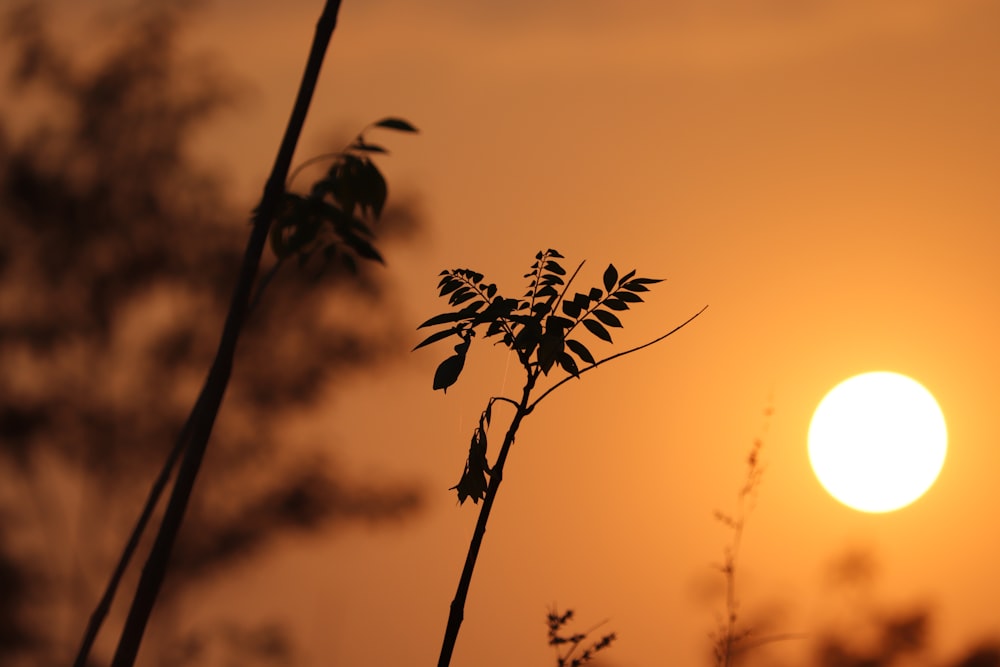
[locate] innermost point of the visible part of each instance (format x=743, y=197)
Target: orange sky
x=823, y=175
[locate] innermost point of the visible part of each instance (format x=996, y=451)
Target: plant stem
x=457, y=610
x=104, y=605
x=207, y=406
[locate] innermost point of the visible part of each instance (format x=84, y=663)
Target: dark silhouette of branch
x=207, y=406
x=457, y=609
x=615, y=356
x=104, y=604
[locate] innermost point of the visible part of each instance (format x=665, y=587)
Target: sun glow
x=877, y=441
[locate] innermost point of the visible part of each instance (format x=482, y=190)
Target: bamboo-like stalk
x=207, y=406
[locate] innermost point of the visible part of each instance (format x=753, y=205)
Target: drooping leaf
x=610, y=277
x=607, y=317
x=473, y=483
x=372, y=189
x=568, y=364
x=595, y=327
x=448, y=371
x=550, y=347
x=398, y=124
x=580, y=350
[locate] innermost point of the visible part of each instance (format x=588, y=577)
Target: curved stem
x=613, y=356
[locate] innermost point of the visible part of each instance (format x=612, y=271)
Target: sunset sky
x=822, y=175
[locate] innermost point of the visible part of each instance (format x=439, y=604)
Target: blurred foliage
x=117, y=256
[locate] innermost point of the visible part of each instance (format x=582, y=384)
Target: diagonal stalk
x=156, y=490
x=207, y=406
x=457, y=609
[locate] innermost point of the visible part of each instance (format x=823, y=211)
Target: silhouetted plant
x=567, y=645
x=732, y=639
x=295, y=225
x=729, y=639
x=543, y=328
x=118, y=252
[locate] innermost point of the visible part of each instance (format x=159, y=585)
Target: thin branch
x=100, y=612
x=613, y=356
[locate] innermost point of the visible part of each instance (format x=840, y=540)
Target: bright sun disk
x=877, y=441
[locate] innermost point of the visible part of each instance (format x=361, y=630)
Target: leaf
x=461, y=296
x=627, y=277
x=610, y=277
x=443, y=318
x=628, y=296
x=639, y=284
x=595, y=328
x=595, y=294
x=360, y=145
x=607, y=317
x=527, y=338
x=615, y=304
x=568, y=364
x=396, y=124
x=363, y=247
x=449, y=285
x=572, y=309
x=448, y=371
x=580, y=350
x=553, y=267
x=550, y=347
x=372, y=190
x=554, y=253
x=546, y=290
x=435, y=337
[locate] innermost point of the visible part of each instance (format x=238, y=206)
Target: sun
x=877, y=441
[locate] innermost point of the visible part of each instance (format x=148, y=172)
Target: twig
x=613, y=356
